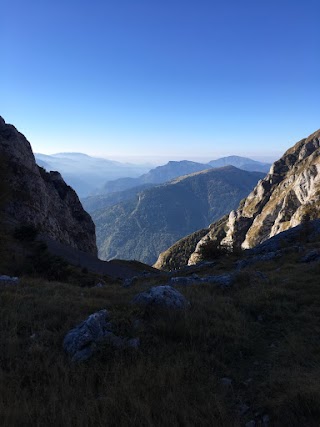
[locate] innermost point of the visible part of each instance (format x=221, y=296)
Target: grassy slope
x=174, y=379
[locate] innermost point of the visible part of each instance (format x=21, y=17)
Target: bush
x=211, y=250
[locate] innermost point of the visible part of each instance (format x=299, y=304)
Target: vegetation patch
x=234, y=355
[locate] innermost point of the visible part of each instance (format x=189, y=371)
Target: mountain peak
x=240, y=162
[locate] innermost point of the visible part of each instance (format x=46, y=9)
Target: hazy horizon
x=161, y=79
x=161, y=160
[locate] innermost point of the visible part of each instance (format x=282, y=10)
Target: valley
x=223, y=322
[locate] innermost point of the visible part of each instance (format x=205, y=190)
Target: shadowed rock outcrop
x=177, y=255
x=31, y=196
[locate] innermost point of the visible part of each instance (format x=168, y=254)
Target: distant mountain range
x=89, y=175
x=123, y=189
x=140, y=228
x=240, y=162
x=85, y=173
x=174, y=169
x=158, y=175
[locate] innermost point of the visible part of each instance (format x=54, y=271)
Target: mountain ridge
x=240, y=162
x=87, y=173
x=158, y=175
x=174, y=169
x=288, y=195
x=41, y=199
x=141, y=227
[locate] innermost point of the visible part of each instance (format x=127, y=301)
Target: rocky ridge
x=33, y=197
x=286, y=197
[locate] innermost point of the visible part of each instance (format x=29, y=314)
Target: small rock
x=251, y=423
x=161, y=296
x=9, y=279
x=260, y=318
x=100, y=285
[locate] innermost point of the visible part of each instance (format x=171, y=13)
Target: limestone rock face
x=179, y=253
x=287, y=196
x=31, y=196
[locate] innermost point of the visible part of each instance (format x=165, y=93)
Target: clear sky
x=169, y=78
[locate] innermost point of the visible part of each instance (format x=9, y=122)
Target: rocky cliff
x=31, y=196
x=287, y=196
x=179, y=253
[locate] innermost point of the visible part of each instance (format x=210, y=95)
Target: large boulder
x=81, y=342
x=163, y=296
x=85, y=339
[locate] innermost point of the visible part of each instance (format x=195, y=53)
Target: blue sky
x=167, y=79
